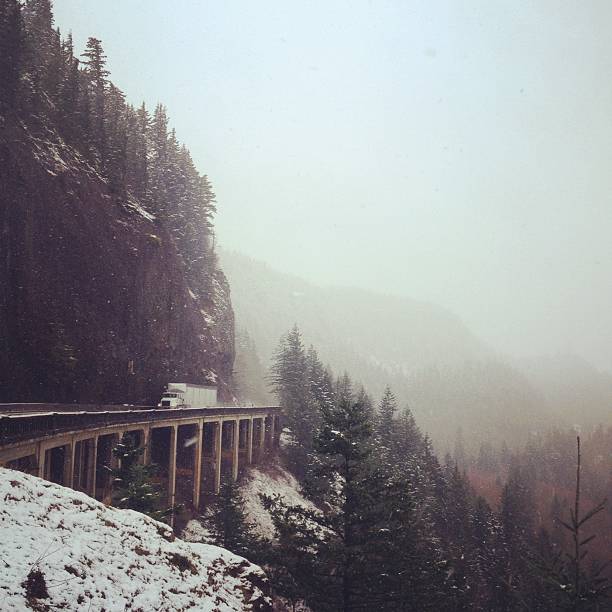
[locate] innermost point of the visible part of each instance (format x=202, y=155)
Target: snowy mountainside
x=95, y=557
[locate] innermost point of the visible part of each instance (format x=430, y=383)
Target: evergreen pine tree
x=11, y=51
x=457, y=537
x=96, y=72
x=577, y=584
x=116, y=137
x=343, y=389
x=289, y=381
x=68, y=93
x=410, y=441
x=321, y=387
x=363, y=398
x=137, y=155
x=228, y=524
x=339, y=564
x=385, y=423
x=43, y=51
x=483, y=529
x=515, y=579
x=410, y=566
x=133, y=484
x=159, y=162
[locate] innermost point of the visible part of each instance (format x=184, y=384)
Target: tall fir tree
x=43, y=52
x=515, y=579
x=68, y=93
x=137, y=154
x=385, y=423
x=134, y=487
x=12, y=48
x=411, y=569
x=577, y=584
x=96, y=73
x=228, y=524
x=116, y=139
x=289, y=381
x=339, y=564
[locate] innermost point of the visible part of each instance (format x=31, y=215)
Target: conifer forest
x=390, y=316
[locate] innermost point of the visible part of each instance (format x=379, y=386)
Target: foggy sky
x=457, y=152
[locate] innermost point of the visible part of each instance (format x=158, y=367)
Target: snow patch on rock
x=96, y=557
x=270, y=480
x=195, y=531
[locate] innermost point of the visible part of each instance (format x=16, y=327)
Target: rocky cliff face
x=94, y=305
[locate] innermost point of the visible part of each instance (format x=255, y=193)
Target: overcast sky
x=457, y=152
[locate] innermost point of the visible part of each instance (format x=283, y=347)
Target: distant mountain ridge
x=434, y=363
x=436, y=333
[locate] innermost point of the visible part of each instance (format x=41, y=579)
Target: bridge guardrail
x=18, y=428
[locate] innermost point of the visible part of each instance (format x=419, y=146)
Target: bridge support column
x=40, y=458
x=172, y=471
x=262, y=438
x=272, y=431
x=218, y=449
x=92, y=467
x=278, y=428
x=236, y=449
x=146, y=443
x=197, y=466
x=69, y=473
x=115, y=461
x=250, y=441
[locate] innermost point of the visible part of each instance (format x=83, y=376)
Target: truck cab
x=171, y=399
x=188, y=395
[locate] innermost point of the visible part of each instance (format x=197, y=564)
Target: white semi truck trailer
x=186, y=395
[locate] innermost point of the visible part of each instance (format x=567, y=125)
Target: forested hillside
x=449, y=379
x=394, y=528
x=109, y=285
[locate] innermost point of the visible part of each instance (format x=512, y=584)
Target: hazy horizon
x=447, y=152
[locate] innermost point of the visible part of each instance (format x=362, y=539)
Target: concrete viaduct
x=193, y=447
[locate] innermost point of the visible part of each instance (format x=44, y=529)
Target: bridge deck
x=195, y=447
x=35, y=421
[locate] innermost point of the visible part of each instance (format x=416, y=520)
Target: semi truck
x=186, y=395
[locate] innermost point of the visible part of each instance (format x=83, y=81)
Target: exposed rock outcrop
x=94, y=305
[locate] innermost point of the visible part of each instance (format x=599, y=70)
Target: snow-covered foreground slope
x=94, y=557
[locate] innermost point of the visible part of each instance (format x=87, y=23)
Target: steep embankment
x=91, y=556
x=274, y=481
x=430, y=358
x=94, y=306
x=271, y=480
